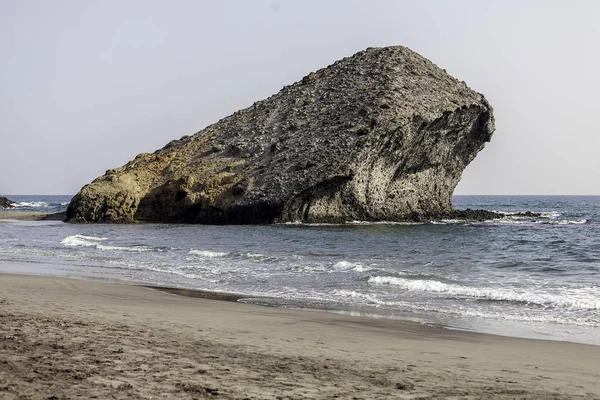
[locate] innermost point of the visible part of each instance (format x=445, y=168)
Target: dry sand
x=62, y=338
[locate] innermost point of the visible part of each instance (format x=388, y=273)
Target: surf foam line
x=576, y=298
x=96, y=242
x=207, y=253
x=81, y=240
x=32, y=204
x=350, y=266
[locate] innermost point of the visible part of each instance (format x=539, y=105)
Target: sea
x=534, y=277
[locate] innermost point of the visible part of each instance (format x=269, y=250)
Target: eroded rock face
x=6, y=203
x=382, y=135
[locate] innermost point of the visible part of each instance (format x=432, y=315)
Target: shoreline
x=195, y=293
x=235, y=297
x=67, y=337
x=31, y=215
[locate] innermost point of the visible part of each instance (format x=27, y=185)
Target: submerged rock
x=382, y=135
x=6, y=203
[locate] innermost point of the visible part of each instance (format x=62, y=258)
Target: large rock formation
x=382, y=135
x=6, y=203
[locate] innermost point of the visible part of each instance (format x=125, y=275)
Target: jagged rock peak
x=6, y=203
x=382, y=135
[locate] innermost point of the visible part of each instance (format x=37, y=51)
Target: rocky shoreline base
x=456, y=215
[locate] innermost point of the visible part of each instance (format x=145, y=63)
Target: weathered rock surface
x=6, y=203
x=382, y=135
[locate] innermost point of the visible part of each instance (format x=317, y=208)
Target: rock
x=6, y=203
x=382, y=135
x=477, y=215
x=59, y=216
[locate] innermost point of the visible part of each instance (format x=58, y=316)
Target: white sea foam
x=188, y=274
x=572, y=222
x=551, y=214
x=353, y=295
x=356, y=222
x=547, y=217
x=513, y=315
x=581, y=298
x=93, y=241
x=207, y=253
x=185, y=271
x=361, y=268
x=255, y=255
x=366, y=298
x=350, y=266
x=344, y=265
x=136, y=248
x=33, y=204
x=81, y=240
x=540, y=222
x=543, y=214
x=447, y=222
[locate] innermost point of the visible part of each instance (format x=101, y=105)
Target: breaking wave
x=31, y=204
x=582, y=298
x=207, y=253
x=97, y=242
x=350, y=266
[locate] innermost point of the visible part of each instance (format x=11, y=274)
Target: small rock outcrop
x=6, y=203
x=382, y=135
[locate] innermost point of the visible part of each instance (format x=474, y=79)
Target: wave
x=31, y=204
x=510, y=218
x=370, y=299
x=93, y=241
x=582, y=298
x=450, y=222
x=551, y=214
x=323, y=268
x=37, y=205
x=184, y=271
x=401, y=223
x=352, y=223
x=350, y=266
x=207, y=253
x=136, y=248
x=367, y=298
x=572, y=222
x=81, y=240
x=255, y=255
x=545, y=318
x=517, y=221
x=520, y=214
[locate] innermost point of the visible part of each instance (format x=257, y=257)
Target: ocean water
x=43, y=203
x=527, y=277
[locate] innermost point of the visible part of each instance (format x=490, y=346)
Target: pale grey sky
x=87, y=85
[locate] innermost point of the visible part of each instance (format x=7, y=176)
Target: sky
x=87, y=85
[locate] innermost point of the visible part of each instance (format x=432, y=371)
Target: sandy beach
x=63, y=338
x=30, y=216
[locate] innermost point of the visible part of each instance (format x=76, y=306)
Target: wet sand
x=70, y=338
x=31, y=216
